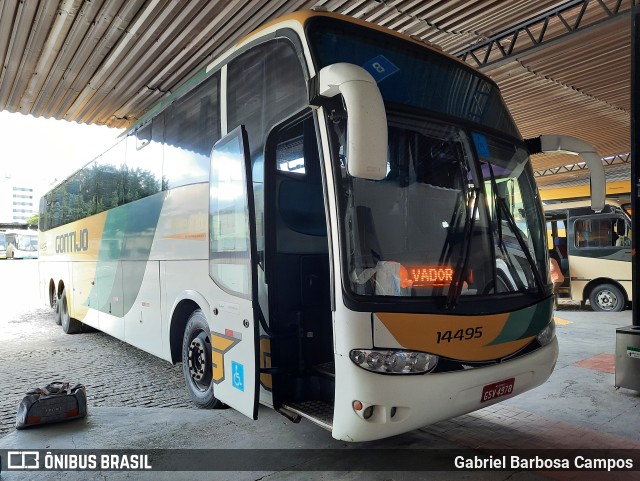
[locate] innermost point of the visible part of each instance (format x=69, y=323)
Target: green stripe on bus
x=128, y=235
x=525, y=322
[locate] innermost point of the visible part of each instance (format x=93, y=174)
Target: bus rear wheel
x=69, y=325
x=196, y=362
x=606, y=298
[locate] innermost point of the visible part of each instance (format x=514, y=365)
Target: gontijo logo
x=72, y=242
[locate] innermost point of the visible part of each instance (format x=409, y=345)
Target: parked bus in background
x=332, y=219
x=3, y=246
x=21, y=244
x=594, y=252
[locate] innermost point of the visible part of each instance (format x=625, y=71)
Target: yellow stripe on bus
x=67, y=243
x=465, y=338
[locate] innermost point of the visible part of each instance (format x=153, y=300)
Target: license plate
x=497, y=389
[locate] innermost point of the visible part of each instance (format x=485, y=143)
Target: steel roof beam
x=522, y=38
x=563, y=169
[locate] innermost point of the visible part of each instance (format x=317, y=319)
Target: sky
x=39, y=152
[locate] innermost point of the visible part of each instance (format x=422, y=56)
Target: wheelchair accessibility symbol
x=238, y=375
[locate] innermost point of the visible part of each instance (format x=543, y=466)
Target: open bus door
x=232, y=265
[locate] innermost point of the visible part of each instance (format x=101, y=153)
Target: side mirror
x=571, y=145
x=366, y=116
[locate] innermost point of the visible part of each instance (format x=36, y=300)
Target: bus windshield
x=441, y=223
x=458, y=213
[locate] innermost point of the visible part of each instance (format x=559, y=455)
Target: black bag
x=52, y=404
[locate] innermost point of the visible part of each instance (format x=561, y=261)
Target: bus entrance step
x=317, y=412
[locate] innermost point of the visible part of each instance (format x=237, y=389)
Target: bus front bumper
x=403, y=403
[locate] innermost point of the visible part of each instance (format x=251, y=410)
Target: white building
x=17, y=201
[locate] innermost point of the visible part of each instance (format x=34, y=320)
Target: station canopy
x=563, y=67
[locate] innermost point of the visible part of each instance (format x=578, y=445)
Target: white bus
x=594, y=252
x=21, y=244
x=332, y=220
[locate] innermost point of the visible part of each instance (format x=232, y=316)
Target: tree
x=33, y=220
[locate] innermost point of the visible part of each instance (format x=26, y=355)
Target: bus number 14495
x=460, y=334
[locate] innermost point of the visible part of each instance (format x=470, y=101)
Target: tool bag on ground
x=54, y=403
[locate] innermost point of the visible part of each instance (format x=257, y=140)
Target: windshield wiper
x=512, y=223
x=459, y=214
x=502, y=206
x=501, y=244
x=456, y=219
x=455, y=288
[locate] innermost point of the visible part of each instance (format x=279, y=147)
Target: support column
x=628, y=338
x=635, y=159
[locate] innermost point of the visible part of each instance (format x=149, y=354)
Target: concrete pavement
x=578, y=408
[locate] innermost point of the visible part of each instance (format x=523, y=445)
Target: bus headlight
x=394, y=362
x=547, y=334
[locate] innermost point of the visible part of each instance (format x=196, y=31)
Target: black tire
x=196, y=362
x=69, y=324
x=607, y=298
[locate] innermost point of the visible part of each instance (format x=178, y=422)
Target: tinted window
x=299, y=197
x=82, y=193
x=158, y=157
x=601, y=232
x=109, y=172
x=409, y=74
x=266, y=85
x=74, y=199
x=192, y=126
x=593, y=232
x=290, y=152
x=143, y=172
x=56, y=205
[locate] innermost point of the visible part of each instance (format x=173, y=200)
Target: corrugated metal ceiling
x=108, y=61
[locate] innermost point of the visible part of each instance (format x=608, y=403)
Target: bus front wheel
x=606, y=297
x=69, y=324
x=196, y=361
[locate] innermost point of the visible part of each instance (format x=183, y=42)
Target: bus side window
x=143, y=172
x=109, y=177
x=599, y=232
x=581, y=233
x=604, y=233
x=621, y=234
x=265, y=85
x=191, y=128
x=300, y=200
